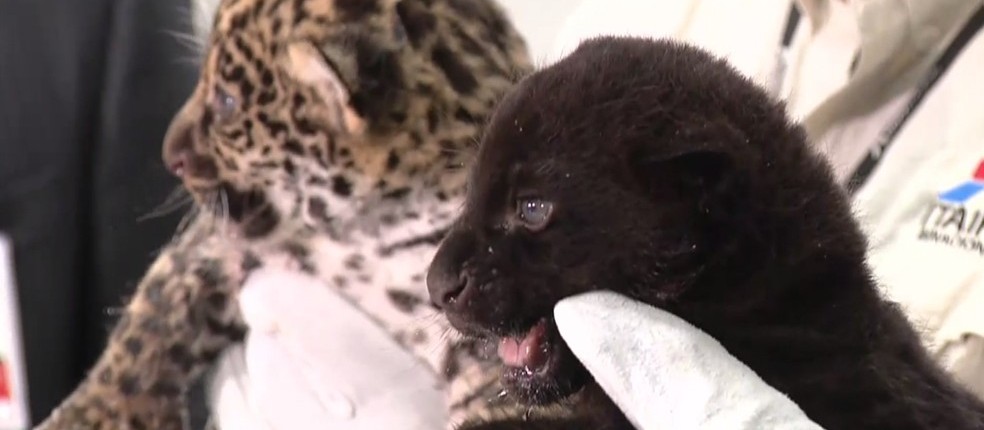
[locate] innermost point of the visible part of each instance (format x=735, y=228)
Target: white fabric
x=312, y=360
x=896, y=42
x=538, y=22
x=746, y=32
x=665, y=373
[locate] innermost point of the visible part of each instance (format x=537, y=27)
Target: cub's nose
x=178, y=147
x=180, y=155
x=445, y=287
x=446, y=277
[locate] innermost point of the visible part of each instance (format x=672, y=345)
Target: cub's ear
x=702, y=159
x=307, y=65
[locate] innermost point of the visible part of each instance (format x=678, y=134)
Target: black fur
x=679, y=183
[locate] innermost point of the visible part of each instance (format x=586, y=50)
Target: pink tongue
x=526, y=352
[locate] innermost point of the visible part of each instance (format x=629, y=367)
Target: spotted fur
x=328, y=136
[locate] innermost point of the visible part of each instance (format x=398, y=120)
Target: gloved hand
x=313, y=360
x=667, y=374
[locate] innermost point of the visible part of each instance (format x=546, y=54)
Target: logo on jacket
x=957, y=217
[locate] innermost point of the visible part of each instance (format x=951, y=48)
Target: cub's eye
x=223, y=104
x=534, y=212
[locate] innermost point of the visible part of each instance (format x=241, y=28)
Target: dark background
x=87, y=89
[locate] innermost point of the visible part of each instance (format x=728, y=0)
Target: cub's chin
x=539, y=368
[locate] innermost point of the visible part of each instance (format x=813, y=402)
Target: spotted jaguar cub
x=325, y=135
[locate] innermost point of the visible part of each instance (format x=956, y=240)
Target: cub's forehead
x=249, y=28
x=513, y=134
x=548, y=114
x=249, y=31
x=281, y=17
x=238, y=16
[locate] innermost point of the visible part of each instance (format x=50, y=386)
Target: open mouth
x=538, y=365
x=529, y=351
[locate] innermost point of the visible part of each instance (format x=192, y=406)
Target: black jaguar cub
x=655, y=170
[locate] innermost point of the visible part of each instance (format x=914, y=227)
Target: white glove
x=664, y=373
x=313, y=361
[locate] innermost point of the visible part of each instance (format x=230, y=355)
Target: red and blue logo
x=960, y=194
x=954, y=219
